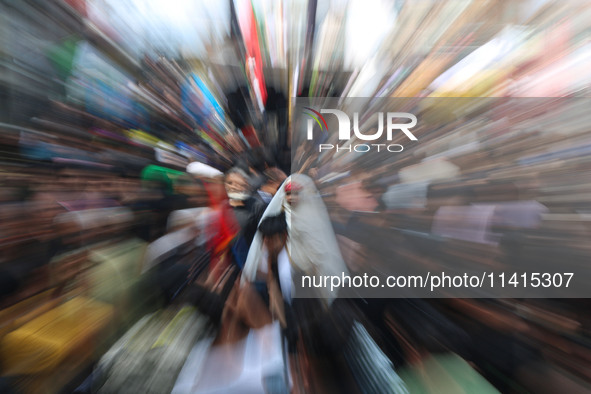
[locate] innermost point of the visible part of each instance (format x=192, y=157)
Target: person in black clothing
x=274, y=289
x=247, y=209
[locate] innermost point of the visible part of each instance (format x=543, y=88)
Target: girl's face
x=292, y=197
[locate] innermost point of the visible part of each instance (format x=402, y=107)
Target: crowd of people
x=163, y=194
x=125, y=264
x=105, y=249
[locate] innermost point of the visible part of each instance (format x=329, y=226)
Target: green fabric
x=445, y=374
x=166, y=176
x=62, y=56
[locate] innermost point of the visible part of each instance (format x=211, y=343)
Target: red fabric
x=78, y=5
x=251, y=136
x=248, y=26
x=292, y=187
x=225, y=231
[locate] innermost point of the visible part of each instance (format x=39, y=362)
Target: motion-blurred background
x=104, y=104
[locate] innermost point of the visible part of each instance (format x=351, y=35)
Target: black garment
x=248, y=217
x=259, y=198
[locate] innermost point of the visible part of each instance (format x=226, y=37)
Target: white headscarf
x=200, y=169
x=311, y=244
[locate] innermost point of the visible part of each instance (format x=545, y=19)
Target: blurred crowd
x=159, y=199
